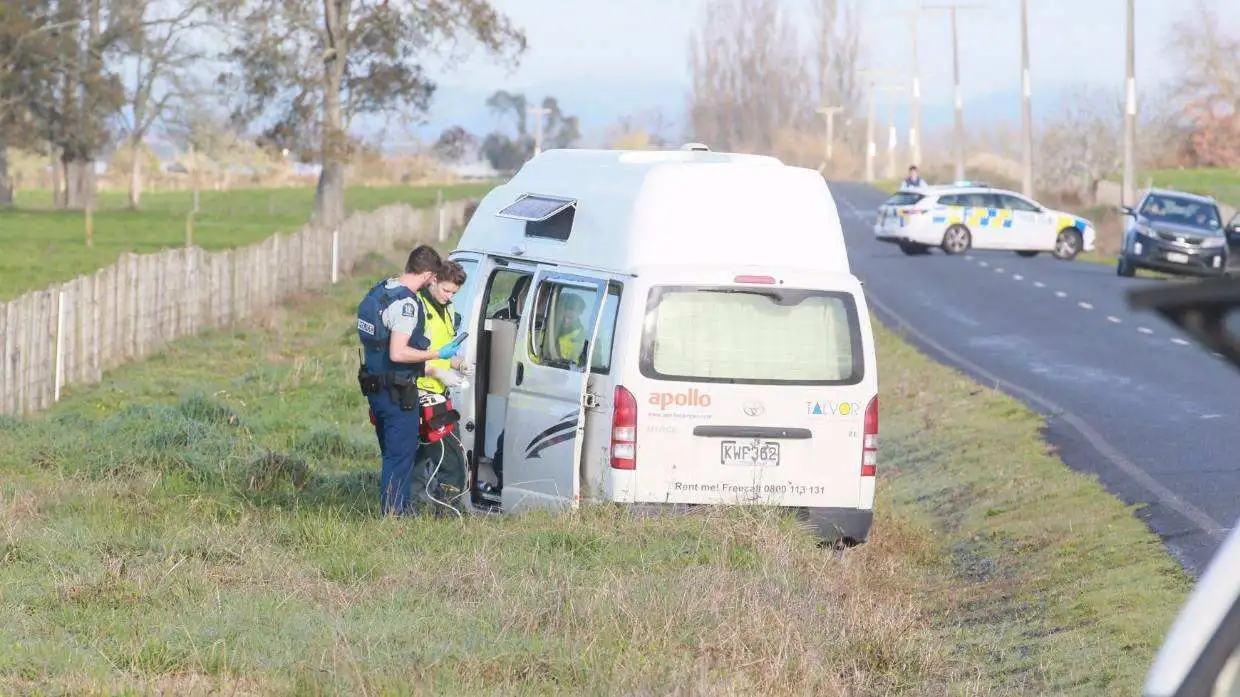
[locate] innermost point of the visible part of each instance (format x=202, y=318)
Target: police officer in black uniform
x=391, y=326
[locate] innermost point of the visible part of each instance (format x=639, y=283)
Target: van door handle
x=520, y=372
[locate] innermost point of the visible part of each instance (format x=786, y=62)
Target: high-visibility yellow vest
x=571, y=343
x=441, y=332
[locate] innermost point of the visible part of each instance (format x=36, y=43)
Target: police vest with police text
x=375, y=335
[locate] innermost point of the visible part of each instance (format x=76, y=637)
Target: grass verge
x=41, y=247
x=204, y=521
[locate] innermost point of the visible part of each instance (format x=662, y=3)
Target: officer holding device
x=391, y=325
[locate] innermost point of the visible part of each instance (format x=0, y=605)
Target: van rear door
x=756, y=392
x=544, y=423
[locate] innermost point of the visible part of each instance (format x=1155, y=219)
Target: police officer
x=439, y=471
x=391, y=327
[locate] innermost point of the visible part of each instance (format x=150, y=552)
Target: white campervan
x=692, y=334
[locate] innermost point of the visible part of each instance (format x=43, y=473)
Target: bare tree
x=754, y=86
x=315, y=66
x=1208, y=83
x=163, y=47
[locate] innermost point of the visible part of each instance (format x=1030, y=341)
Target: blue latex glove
x=450, y=350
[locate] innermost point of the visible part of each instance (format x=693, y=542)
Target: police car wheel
x=1068, y=244
x=957, y=240
x=1027, y=253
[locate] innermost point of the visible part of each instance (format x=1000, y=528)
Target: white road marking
x=1017, y=277
x=1212, y=416
x=1039, y=284
x=982, y=263
x=1086, y=306
x=1145, y=330
x=1061, y=294
x=998, y=270
x=1114, y=319
x=1178, y=340
x=968, y=257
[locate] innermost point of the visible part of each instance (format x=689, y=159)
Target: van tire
x=957, y=239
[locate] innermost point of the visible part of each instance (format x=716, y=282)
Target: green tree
x=310, y=68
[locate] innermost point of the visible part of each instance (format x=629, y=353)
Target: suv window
x=1162, y=208
x=1015, y=203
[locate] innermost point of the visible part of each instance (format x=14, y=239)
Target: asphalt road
x=1127, y=396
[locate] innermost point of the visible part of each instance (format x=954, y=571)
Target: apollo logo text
x=692, y=398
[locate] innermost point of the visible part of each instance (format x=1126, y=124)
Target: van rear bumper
x=850, y=525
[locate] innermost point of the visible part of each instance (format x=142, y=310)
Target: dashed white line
x=968, y=257
x=1113, y=318
x=999, y=270
x=1017, y=277
x=1086, y=306
x=1178, y=340
x=982, y=263
x=1145, y=330
x=1039, y=284
x=1060, y=294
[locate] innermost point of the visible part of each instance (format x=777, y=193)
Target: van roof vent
x=695, y=147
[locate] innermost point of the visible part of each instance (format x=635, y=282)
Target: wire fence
x=71, y=333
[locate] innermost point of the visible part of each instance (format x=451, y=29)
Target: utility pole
x=892, y=140
x=538, y=113
x=870, y=144
x=1130, y=117
x=953, y=8
x=914, y=122
x=1026, y=115
x=829, y=113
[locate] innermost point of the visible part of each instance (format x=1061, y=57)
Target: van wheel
x=913, y=249
x=957, y=240
x=1027, y=253
x=1068, y=244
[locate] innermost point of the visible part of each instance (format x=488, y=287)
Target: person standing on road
x=913, y=180
x=439, y=470
x=395, y=349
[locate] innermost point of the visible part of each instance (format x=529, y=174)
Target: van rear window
x=752, y=336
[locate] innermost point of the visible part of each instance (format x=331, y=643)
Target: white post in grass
x=60, y=343
x=335, y=255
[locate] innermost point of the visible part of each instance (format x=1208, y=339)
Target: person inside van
x=570, y=335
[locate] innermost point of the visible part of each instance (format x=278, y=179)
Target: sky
x=635, y=52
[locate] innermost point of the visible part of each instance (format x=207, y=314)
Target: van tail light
x=869, y=441
x=624, y=430
x=763, y=280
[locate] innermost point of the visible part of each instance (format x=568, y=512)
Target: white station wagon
x=972, y=215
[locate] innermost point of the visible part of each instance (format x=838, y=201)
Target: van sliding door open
x=546, y=403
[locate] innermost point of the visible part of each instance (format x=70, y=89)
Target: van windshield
x=753, y=336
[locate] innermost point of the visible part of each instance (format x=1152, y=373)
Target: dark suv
x=1174, y=232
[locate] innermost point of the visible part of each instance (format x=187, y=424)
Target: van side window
x=560, y=325
x=506, y=296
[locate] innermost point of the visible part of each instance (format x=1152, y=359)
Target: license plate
x=749, y=453
x=1177, y=257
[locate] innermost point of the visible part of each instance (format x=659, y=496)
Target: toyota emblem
x=753, y=409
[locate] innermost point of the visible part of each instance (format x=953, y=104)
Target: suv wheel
x=1123, y=267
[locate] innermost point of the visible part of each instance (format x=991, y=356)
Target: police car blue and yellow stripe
x=975, y=217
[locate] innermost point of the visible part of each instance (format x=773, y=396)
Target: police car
x=973, y=215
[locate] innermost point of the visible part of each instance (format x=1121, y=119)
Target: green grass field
x=40, y=247
x=1223, y=184
x=205, y=521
